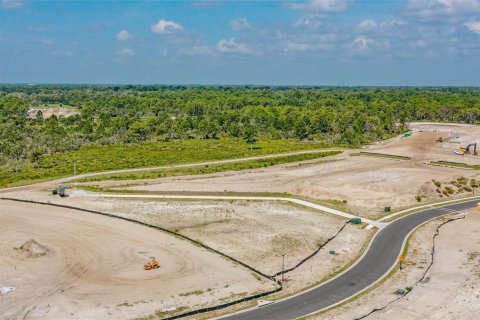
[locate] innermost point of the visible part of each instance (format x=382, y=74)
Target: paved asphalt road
x=380, y=257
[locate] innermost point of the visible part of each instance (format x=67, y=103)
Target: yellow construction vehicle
x=152, y=264
x=467, y=150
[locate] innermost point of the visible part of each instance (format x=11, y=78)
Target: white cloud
x=325, y=6
x=303, y=46
x=366, y=25
x=232, y=46
x=432, y=9
x=166, y=26
x=240, y=24
x=126, y=52
x=361, y=43
x=310, y=21
x=123, y=35
x=398, y=29
x=473, y=26
x=12, y=4
x=47, y=41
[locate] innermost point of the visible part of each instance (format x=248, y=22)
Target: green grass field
x=104, y=158
x=212, y=168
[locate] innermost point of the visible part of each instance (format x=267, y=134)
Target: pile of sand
x=33, y=249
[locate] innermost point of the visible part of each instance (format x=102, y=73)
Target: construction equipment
x=467, y=149
x=152, y=264
x=61, y=190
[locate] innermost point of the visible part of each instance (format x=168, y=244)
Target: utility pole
x=283, y=267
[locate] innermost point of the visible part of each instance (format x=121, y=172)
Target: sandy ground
x=255, y=232
x=47, y=112
x=451, y=289
x=368, y=184
x=93, y=267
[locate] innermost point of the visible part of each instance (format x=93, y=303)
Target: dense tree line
x=126, y=114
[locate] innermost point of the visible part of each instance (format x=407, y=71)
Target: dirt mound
x=33, y=249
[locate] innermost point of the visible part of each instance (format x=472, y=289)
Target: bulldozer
x=152, y=264
x=467, y=149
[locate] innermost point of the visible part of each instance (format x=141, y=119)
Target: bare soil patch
x=368, y=184
x=96, y=271
x=255, y=232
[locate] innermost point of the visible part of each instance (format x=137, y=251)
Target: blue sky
x=319, y=42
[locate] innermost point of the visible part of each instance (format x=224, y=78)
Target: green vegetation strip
x=380, y=155
x=455, y=165
x=97, y=158
x=205, y=169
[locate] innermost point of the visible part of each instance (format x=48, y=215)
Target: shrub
x=449, y=190
x=418, y=198
x=438, y=184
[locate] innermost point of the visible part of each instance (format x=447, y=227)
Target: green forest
x=105, y=116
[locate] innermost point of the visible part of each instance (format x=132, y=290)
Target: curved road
x=380, y=257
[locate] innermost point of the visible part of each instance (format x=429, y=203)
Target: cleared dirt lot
x=255, y=232
x=94, y=267
x=451, y=289
x=368, y=184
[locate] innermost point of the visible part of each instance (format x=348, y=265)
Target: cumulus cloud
x=232, y=46
x=123, y=35
x=432, y=9
x=398, y=29
x=361, y=43
x=125, y=52
x=166, y=26
x=323, y=6
x=12, y=4
x=309, y=21
x=240, y=24
x=473, y=26
x=366, y=25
